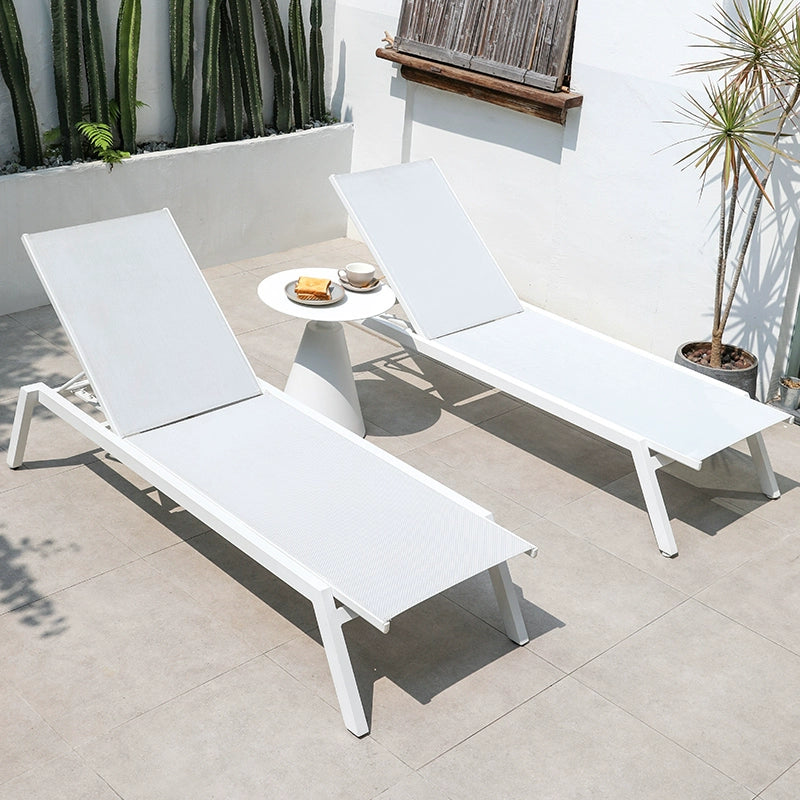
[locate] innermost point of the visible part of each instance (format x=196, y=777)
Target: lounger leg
x=646, y=465
x=766, y=475
x=509, y=603
x=28, y=398
x=330, y=620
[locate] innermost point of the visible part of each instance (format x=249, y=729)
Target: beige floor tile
x=191, y=672
x=463, y=396
x=66, y=778
x=30, y=359
x=44, y=321
x=436, y=677
x=27, y=741
x=570, y=744
x=53, y=447
x=236, y=590
x=712, y=539
x=531, y=479
x=711, y=685
x=251, y=733
x=222, y=271
x=414, y=787
x=129, y=507
x=275, y=345
x=787, y=787
x=237, y=295
x=764, y=594
x=47, y=547
x=129, y=641
x=578, y=600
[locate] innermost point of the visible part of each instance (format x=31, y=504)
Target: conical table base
x=322, y=377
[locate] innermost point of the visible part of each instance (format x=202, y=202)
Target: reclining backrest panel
x=409, y=216
x=142, y=320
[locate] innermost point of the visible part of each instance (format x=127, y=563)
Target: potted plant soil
x=749, y=104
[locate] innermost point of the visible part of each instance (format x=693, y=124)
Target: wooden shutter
x=527, y=41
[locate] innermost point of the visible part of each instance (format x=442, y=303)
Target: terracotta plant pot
x=690, y=353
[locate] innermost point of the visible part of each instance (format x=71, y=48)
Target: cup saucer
x=371, y=286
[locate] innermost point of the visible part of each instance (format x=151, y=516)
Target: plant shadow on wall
x=764, y=286
x=231, y=99
x=747, y=109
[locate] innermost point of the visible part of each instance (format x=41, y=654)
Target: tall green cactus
x=67, y=72
x=299, y=58
x=244, y=45
x=209, y=96
x=181, y=50
x=129, y=23
x=94, y=62
x=279, y=58
x=317, y=62
x=14, y=67
x=230, y=80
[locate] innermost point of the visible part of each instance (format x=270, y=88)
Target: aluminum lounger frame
x=193, y=459
x=464, y=313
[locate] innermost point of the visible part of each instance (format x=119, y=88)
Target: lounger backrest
x=441, y=271
x=142, y=320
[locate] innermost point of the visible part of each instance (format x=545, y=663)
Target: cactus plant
x=14, y=68
x=299, y=60
x=181, y=41
x=279, y=57
x=66, y=70
x=129, y=24
x=244, y=45
x=209, y=97
x=94, y=62
x=230, y=80
x=316, y=62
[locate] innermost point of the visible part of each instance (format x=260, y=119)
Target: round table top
x=354, y=305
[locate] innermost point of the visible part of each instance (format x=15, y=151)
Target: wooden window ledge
x=552, y=106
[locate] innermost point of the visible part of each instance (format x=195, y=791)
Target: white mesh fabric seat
x=291, y=479
x=186, y=412
x=137, y=345
x=410, y=219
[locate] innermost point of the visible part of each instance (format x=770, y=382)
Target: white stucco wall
x=231, y=200
x=591, y=220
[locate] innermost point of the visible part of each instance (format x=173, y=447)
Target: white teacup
x=358, y=274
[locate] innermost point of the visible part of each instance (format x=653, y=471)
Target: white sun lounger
x=354, y=530
x=464, y=313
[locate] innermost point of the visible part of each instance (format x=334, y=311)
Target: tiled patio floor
x=142, y=657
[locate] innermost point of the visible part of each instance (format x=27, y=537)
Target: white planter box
x=231, y=200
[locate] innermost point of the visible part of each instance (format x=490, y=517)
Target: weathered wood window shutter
x=527, y=41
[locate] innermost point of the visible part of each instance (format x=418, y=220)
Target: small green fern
x=101, y=139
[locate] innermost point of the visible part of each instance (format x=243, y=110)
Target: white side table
x=321, y=376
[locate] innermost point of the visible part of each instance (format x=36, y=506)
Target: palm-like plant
x=742, y=118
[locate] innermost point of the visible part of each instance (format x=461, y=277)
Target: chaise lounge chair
x=284, y=484
x=464, y=313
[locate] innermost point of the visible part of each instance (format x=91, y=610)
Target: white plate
x=370, y=287
x=337, y=293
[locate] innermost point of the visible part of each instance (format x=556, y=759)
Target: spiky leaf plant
x=746, y=110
